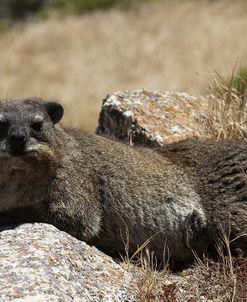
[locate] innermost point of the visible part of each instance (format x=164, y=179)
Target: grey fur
x=94, y=188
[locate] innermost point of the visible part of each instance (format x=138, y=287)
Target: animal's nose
x=17, y=137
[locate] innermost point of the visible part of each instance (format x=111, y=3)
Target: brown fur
x=94, y=188
x=218, y=170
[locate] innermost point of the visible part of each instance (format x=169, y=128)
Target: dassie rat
x=179, y=196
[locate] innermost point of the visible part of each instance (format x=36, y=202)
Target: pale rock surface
x=151, y=117
x=39, y=263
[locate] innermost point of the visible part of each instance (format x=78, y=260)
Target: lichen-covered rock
x=151, y=118
x=40, y=263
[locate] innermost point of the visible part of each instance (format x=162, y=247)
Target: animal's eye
x=37, y=126
x=4, y=125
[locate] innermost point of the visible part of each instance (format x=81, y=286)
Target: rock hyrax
x=178, y=196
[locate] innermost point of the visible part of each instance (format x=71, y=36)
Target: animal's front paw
x=66, y=222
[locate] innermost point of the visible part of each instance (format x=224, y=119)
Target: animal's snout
x=17, y=138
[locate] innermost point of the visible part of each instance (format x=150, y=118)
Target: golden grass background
x=165, y=45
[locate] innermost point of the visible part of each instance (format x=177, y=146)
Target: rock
x=151, y=118
x=41, y=263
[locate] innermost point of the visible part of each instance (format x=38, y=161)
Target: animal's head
x=27, y=127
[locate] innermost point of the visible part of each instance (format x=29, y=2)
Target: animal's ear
x=55, y=111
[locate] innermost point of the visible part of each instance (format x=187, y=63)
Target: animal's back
x=192, y=187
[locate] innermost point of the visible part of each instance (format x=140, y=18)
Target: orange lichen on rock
x=151, y=117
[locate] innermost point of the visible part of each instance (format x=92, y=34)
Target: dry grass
x=221, y=280
x=149, y=278
x=224, y=280
x=226, y=116
x=167, y=45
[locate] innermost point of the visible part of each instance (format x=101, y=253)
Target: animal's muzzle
x=17, y=139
